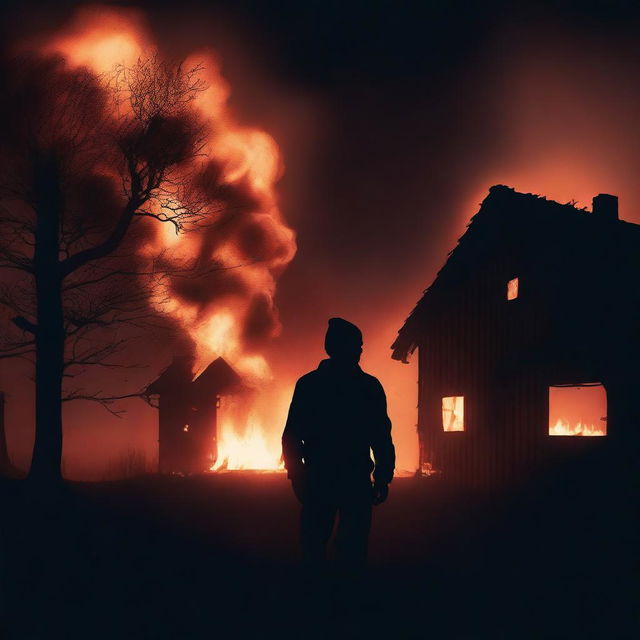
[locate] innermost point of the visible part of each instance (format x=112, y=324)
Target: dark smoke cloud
x=204, y=289
x=261, y=323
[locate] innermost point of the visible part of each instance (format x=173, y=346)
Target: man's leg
x=316, y=524
x=352, y=540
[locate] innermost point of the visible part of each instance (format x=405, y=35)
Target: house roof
x=533, y=222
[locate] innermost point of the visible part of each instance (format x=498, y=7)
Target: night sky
x=394, y=119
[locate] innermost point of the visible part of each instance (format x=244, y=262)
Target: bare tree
x=86, y=165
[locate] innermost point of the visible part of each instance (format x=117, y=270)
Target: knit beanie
x=341, y=336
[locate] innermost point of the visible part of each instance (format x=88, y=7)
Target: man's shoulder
x=307, y=378
x=318, y=377
x=371, y=381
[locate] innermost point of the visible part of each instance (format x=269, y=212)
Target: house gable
x=576, y=255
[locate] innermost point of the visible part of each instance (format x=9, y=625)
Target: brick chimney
x=606, y=206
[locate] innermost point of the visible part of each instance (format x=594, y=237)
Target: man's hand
x=379, y=493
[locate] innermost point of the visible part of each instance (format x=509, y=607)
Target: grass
x=131, y=464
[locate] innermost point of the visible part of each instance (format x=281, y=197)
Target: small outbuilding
x=187, y=429
x=528, y=339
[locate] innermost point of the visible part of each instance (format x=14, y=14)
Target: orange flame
x=577, y=411
x=251, y=450
x=565, y=428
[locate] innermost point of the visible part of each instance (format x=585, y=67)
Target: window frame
x=577, y=385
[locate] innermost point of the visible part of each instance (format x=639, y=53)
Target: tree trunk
x=50, y=336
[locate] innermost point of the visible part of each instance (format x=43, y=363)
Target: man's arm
x=384, y=452
x=292, y=442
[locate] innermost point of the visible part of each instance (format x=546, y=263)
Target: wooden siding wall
x=192, y=451
x=479, y=345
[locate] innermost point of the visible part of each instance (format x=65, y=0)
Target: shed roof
x=176, y=377
x=219, y=378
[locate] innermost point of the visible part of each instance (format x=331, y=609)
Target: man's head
x=343, y=341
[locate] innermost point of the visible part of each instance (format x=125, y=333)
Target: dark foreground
x=206, y=557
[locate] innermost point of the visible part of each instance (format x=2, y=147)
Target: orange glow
x=512, y=289
x=453, y=413
x=427, y=470
x=101, y=38
x=250, y=450
x=254, y=367
x=577, y=411
x=564, y=428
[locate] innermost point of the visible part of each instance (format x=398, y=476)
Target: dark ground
x=205, y=557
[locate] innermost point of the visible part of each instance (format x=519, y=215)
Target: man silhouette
x=338, y=415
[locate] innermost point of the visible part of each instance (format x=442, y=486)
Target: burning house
x=528, y=338
x=187, y=423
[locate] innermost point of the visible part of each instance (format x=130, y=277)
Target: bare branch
x=15, y=353
x=148, y=160
x=25, y=325
x=159, y=138
x=105, y=401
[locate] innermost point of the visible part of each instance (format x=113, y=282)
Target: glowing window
x=512, y=289
x=453, y=413
x=579, y=410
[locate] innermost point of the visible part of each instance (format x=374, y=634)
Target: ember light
x=453, y=413
x=250, y=450
x=579, y=410
x=512, y=289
